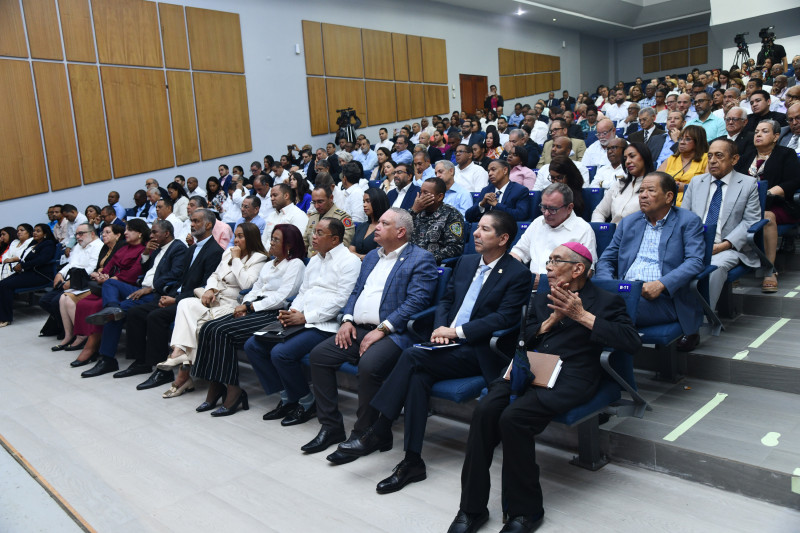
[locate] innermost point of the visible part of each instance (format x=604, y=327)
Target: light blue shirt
x=119, y=210
x=714, y=126
x=427, y=173
x=647, y=102
x=646, y=266
x=368, y=160
x=258, y=221
x=666, y=151
x=458, y=197
x=152, y=214
x=515, y=120
x=402, y=157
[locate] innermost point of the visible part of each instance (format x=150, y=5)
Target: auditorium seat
x=603, y=234
x=591, y=199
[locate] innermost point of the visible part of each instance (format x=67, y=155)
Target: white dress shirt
x=595, y=155
x=543, y=176
x=232, y=207
x=538, y=133
x=291, y=214
x=327, y=284
x=616, y=112
x=84, y=257
x=276, y=283
x=180, y=229
x=354, y=203
x=539, y=240
x=266, y=208
x=147, y=281
x=368, y=303
x=473, y=178
x=280, y=179
x=385, y=144
x=617, y=203
x=607, y=176
x=401, y=194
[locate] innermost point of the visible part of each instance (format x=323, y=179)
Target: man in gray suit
x=730, y=200
x=790, y=135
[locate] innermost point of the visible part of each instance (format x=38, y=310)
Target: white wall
x=724, y=11
x=595, y=53
x=629, y=54
x=791, y=44
x=276, y=81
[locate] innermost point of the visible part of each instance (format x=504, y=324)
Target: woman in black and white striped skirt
x=279, y=280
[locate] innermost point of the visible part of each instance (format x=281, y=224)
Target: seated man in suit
x=109, y=216
x=501, y=194
x=663, y=247
x=396, y=281
x=575, y=320
x=735, y=121
x=790, y=137
x=149, y=324
x=406, y=192
x=649, y=134
x=438, y=227
x=485, y=294
x=732, y=205
x=164, y=262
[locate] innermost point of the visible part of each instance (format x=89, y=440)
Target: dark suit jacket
x=171, y=268
x=39, y=257
x=515, y=201
x=578, y=346
x=782, y=168
x=408, y=289
x=435, y=154
x=681, y=250
x=569, y=103
x=753, y=119
x=786, y=136
x=575, y=132
x=638, y=137
x=744, y=143
x=200, y=270
x=498, y=306
x=408, y=199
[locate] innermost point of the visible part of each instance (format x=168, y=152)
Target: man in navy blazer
x=396, y=281
x=119, y=297
x=403, y=179
x=502, y=195
x=485, y=294
x=150, y=325
x=662, y=246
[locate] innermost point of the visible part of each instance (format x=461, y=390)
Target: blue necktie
x=471, y=297
x=716, y=203
x=497, y=195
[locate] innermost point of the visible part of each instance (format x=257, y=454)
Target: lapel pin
x=500, y=271
x=402, y=258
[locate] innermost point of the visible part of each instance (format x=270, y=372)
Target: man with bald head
x=685, y=106
x=607, y=176
x=791, y=136
x=559, y=128
x=595, y=155
x=560, y=146
x=113, y=201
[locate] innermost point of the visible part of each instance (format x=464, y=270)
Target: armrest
x=244, y=291
x=497, y=336
x=447, y=261
x=411, y=326
x=758, y=226
x=640, y=403
x=706, y=272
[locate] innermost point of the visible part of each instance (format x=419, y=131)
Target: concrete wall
x=595, y=54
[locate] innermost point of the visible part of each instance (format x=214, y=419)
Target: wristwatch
x=249, y=307
x=350, y=320
x=383, y=329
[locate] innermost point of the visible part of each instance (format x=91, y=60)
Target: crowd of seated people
x=342, y=242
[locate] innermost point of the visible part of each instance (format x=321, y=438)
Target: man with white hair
x=595, y=155
x=649, y=134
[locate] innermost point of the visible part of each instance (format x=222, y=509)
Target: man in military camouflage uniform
x=438, y=227
x=322, y=198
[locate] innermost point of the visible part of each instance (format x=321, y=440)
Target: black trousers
x=373, y=367
x=149, y=329
x=516, y=426
x=50, y=303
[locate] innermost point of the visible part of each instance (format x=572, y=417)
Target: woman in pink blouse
x=519, y=172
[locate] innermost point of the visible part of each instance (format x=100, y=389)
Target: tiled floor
x=128, y=460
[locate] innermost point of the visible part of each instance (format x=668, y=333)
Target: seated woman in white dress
x=238, y=270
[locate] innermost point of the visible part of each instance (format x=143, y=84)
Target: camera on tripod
x=741, y=44
x=766, y=34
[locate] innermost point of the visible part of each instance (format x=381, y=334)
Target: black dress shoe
x=687, y=343
x=77, y=362
x=468, y=522
x=341, y=458
x=59, y=347
x=523, y=524
x=325, y=438
x=367, y=443
x=103, y=366
x=300, y=415
x=280, y=411
x=408, y=471
x=227, y=411
x=156, y=379
x=134, y=370
x=71, y=348
x=104, y=316
x=207, y=406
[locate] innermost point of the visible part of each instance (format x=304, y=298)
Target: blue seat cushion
x=459, y=390
x=607, y=393
x=737, y=272
x=661, y=333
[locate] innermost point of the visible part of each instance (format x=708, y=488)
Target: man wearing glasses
x=735, y=121
x=713, y=125
x=791, y=137
x=470, y=176
x=595, y=155
x=322, y=199
x=558, y=224
x=559, y=128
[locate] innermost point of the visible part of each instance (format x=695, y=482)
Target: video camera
x=741, y=44
x=345, y=115
x=766, y=34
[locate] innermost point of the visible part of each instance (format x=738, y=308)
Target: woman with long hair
x=92, y=213
x=279, y=280
x=180, y=201
x=214, y=194
x=375, y=205
x=384, y=154
x=7, y=236
x=690, y=161
x=388, y=171
x=622, y=199
x=563, y=170
x=32, y=268
x=493, y=147
x=22, y=238
x=301, y=193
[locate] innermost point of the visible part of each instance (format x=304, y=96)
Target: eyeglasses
x=734, y=119
x=551, y=210
x=557, y=179
x=275, y=240
x=320, y=233
x=79, y=233
x=792, y=120
x=557, y=261
x=602, y=133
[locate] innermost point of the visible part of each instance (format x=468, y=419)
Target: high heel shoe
x=172, y=362
x=174, y=391
x=71, y=348
x=225, y=411
x=77, y=362
x=59, y=347
x=207, y=406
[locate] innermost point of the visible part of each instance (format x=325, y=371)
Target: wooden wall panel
x=342, y=94
x=140, y=142
x=530, y=85
x=222, y=97
x=20, y=145
x=400, y=56
x=76, y=27
x=505, y=60
x=541, y=83
x=12, y=33
x=57, y=125
x=414, y=58
x=417, y=100
x=403, y=96
x=44, y=36
x=90, y=123
x=651, y=64
x=184, y=122
x=377, y=55
x=698, y=39
x=173, y=35
x=434, y=60
x=519, y=62
x=556, y=63
x=675, y=43
x=508, y=87
x=675, y=60
x=530, y=62
x=342, y=49
x=698, y=56
x=312, y=44
x=127, y=32
x=317, y=106
x=215, y=40
x=650, y=49
x=436, y=100
x=381, y=103
x=556, y=81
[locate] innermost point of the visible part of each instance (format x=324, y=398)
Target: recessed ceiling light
x=520, y=11
x=554, y=20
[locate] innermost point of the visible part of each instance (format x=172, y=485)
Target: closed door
x=473, y=92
